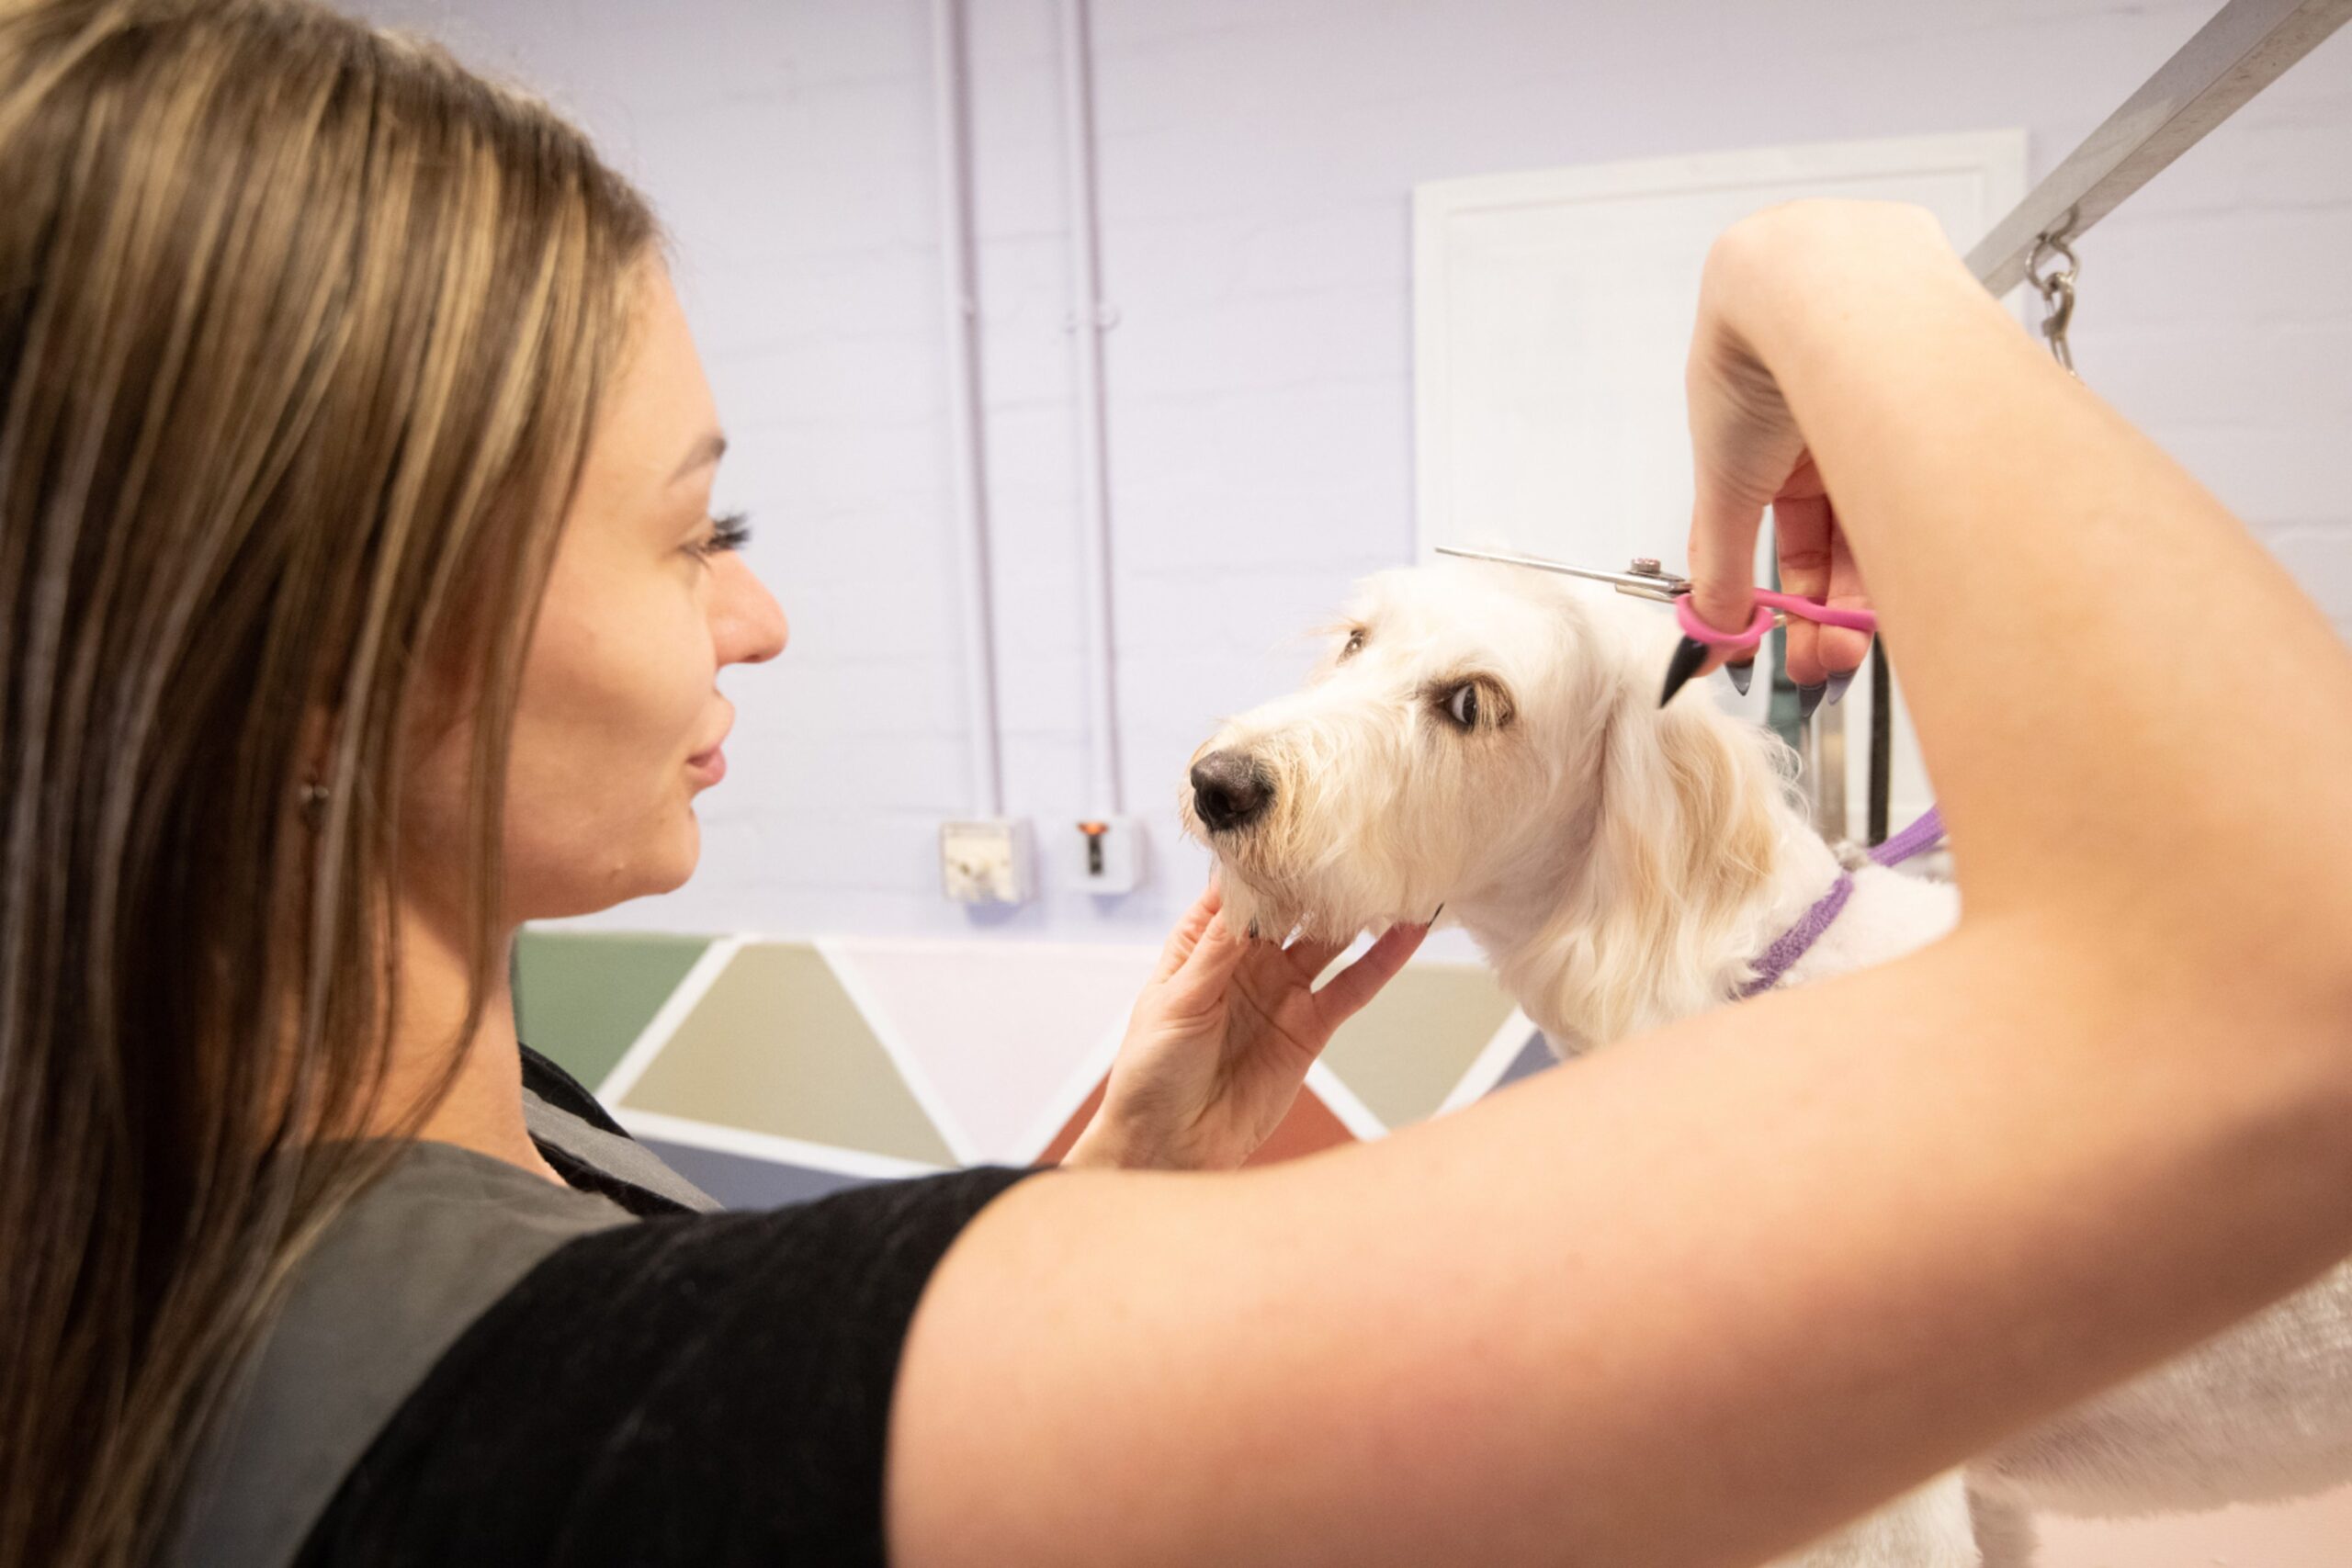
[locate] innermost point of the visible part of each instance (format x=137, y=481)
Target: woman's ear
x=314, y=783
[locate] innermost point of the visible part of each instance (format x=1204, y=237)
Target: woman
x=359, y=599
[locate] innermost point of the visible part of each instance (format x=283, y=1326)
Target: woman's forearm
x=1686, y=1303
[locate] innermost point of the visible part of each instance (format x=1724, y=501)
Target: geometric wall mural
x=777, y=1047
x=1004, y=1032
x=771, y=1072
x=1405, y=1052
x=592, y=994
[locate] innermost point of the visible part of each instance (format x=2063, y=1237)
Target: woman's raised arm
x=1696, y=1302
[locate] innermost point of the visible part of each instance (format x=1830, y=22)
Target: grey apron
x=398, y=1277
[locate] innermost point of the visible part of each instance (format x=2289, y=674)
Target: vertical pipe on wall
x=1089, y=319
x=967, y=470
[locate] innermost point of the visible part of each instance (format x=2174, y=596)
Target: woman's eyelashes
x=727, y=533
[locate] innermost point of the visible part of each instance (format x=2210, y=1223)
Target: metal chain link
x=2057, y=290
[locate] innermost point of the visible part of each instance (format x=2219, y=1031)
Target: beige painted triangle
x=777, y=1046
x=1403, y=1054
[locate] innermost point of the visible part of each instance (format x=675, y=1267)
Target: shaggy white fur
x=1487, y=740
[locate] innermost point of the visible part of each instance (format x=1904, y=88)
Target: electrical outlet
x=985, y=862
x=1103, y=855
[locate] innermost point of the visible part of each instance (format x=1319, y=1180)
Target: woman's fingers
x=1744, y=446
x=1352, y=987
x=1187, y=934
x=1816, y=564
x=1308, y=958
x=1801, y=533
x=1722, y=556
x=1215, y=956
x=1843, y=649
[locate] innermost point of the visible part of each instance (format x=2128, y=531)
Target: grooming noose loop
x=2057, y=290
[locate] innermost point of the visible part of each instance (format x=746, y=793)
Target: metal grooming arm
x=2242, y=50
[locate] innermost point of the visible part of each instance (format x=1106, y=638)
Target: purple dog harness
x=1794, y=942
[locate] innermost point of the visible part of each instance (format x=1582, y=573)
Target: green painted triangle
x=582, y=996
x=777, y=1046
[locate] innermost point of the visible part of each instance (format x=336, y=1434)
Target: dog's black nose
x=1230, y=791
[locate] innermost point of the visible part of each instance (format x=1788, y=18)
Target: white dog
x=1487, y=740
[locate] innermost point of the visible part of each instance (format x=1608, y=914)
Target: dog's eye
x=1356, y=644
x=1477, y=704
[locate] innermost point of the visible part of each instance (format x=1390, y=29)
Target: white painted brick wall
x=1255, y=163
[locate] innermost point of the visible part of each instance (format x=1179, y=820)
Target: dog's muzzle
x=1230, y=791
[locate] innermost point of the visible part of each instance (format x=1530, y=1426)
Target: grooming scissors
x=1645, y=578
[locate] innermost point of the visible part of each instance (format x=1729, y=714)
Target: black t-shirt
x=694, y=1388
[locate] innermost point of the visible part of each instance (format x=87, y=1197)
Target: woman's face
x=619, y=720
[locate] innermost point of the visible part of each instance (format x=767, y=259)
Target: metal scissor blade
x=1661, y=586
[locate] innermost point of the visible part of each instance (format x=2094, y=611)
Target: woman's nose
x=749, y=626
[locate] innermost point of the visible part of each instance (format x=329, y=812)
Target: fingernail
x=1809, y=698
x=1838, y=684
x=1741, y=674
x=1688, y=655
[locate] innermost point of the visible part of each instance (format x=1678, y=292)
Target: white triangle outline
x=1093, y=1069
x=635, y=1062
x=1058, y=1104
x=928, y=1100
x=1491, y=1062
x=1454, y=1098
x=684, y=996
x=772, y=1148
x=1341, y=1101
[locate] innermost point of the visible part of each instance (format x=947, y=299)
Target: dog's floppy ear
x=1685, y=834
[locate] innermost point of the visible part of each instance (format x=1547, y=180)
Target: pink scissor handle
x=1698, y=631
x=1767, y=602
x=1821, y=614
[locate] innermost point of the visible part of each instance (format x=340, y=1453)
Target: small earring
x=314, y=805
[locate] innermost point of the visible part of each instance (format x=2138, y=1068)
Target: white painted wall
x=1255, y=165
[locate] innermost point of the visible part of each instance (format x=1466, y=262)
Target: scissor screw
x=1646, y=566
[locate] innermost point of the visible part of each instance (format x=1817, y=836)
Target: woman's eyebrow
x=707, y=451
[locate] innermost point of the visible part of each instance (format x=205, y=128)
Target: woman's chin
x=672, y=869
x=659, y=867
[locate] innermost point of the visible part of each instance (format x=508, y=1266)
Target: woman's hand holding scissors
x=1749, y=452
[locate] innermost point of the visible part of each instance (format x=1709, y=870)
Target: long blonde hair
x=303, y=331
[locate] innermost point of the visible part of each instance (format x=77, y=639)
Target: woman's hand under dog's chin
x=1221, y=1040
x=1283, y=917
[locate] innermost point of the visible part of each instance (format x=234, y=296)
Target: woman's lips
x=709, y=765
